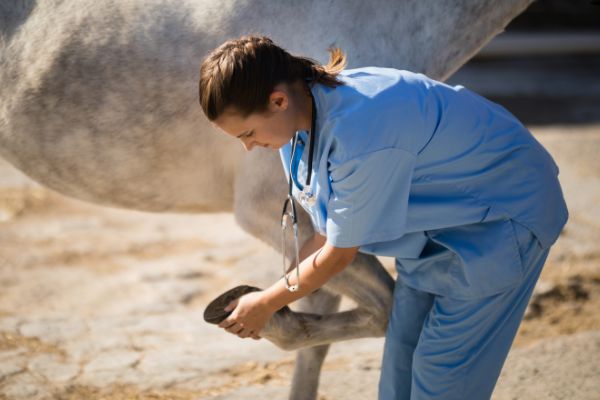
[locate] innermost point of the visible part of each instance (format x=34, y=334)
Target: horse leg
x=309, y=360
x=259, y=192
x=367, y=283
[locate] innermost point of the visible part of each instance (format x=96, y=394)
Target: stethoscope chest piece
x=307, y=198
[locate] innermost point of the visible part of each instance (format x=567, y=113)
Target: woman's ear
x=279, y=100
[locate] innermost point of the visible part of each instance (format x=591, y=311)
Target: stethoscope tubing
x=293, y=178
x=305, y=195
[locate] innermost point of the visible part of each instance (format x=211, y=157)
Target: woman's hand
x=250, y=315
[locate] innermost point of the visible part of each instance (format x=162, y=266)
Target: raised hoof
x=215, y=311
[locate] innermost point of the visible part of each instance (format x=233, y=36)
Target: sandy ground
x=103, y=303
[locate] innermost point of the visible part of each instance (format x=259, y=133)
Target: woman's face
x=271, y=129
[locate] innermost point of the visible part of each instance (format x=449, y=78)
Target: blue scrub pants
x=442, y=348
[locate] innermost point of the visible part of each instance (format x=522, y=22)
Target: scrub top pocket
x=466, y=262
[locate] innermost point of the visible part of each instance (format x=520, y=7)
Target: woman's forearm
x=309, y=247
x=321, y=263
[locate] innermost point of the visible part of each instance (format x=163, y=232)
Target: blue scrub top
x=430, y=174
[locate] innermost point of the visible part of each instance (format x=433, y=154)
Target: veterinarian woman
x=450, y=184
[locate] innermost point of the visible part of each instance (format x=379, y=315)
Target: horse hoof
x=215, y=310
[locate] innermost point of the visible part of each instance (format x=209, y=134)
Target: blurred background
x=104, y=303
x=545, y=67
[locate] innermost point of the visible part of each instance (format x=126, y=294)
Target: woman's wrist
x=315, y=271
x=269, y=301
x=274, y=299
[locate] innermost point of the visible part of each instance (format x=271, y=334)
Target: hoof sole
x=215, y=311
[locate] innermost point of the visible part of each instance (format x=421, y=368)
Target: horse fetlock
x=278, y=330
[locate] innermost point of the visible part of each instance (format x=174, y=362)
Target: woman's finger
x=227, y=323
x=235, y=328
x=245, y=333
x=232, y=305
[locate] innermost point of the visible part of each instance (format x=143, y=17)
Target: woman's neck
x=304, y=103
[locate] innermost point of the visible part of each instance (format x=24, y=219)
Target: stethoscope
x=306, y=196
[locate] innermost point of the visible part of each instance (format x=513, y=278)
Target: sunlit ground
x=106, y=303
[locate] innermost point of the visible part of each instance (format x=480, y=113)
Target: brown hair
x=243, y=73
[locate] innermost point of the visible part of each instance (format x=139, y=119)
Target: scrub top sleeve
x=369, y=198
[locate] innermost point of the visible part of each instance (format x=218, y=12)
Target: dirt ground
x=103, y=303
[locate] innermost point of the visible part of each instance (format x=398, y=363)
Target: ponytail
x=324, y=74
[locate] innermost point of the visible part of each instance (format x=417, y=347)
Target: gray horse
x=99, y=102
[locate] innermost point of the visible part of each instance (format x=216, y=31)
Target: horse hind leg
x=367, y=283
x=257, y=207
x=370, y=285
